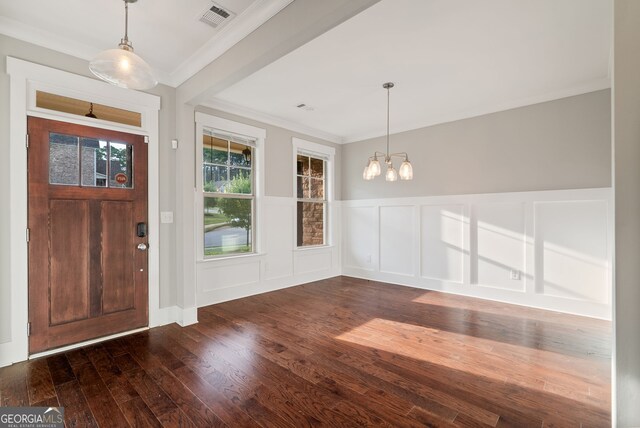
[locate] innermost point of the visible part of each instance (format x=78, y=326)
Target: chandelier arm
x=399, y=155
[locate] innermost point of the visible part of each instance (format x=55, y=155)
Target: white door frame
x=25, y=79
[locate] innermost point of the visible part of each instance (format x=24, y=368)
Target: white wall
x=557, y=244
x=626, y=119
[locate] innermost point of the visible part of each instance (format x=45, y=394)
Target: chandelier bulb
x=392, y=174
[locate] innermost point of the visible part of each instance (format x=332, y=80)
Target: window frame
x=247, y=132
x=327, y=153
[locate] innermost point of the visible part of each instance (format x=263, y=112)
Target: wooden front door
x=87, y=233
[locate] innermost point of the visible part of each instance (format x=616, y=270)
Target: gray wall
x=627, y=211
x=279, y=153
x=39, y=55
x=561, y=144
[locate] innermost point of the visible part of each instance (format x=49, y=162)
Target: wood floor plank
x=61, y=371
x=76, y=410
x=337, y=352
x=103, y=407
x=184, y=398
x=39, y=381
x=138, y=413
x=151, y=393
x=13, y=385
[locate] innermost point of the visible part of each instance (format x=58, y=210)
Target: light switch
x=166, y=217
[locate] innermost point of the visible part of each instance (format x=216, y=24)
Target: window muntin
x=228, y=194
x=311, y=204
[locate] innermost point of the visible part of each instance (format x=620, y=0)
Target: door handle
x=142, y=247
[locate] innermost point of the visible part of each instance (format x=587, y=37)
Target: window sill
x=231, y=257
x=314, y=247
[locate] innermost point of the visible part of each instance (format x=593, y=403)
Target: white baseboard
x=247, y=290
x=181, y=316
x=9, y=354
x=187, y=316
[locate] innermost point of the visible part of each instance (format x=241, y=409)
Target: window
x=88, y=162
x=228, y=187
x=313, y=173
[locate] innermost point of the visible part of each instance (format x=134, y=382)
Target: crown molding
x=244, y=24
x=46, y=39
x=592, y=86
x=248, y=113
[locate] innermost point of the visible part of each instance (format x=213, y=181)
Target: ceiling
x=168, y=34
x=449, y=59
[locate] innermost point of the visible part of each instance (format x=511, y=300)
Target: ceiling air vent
x=217, y=16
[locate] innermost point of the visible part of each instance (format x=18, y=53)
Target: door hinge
x=28, y=329
x=26, y=142
x=28, y=234
x=146, y=139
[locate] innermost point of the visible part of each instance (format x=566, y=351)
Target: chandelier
x=373, y=168
x=120, y=66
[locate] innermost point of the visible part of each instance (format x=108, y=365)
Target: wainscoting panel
x=397, y=233
x=501, y=245
x=360, y=233
x=572, y=259
x=213, y=276
x=312, y=260
x=548, y=249
x=442, y=250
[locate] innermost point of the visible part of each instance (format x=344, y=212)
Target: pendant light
x=122, y=67
x=373, y=169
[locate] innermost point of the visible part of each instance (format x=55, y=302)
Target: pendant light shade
x=406, y=170
x=373, y=169
x=121, y=66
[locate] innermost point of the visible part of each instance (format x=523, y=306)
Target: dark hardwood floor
x=340, y=352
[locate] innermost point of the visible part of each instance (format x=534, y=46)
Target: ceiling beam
x=296, y=25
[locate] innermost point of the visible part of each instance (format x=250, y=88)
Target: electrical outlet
x=514, y=274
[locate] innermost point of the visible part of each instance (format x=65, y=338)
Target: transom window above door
x=89, y=162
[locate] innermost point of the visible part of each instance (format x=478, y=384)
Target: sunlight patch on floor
x=510, y=363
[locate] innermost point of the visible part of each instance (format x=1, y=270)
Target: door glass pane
x=227, y=226
x=310, y=223
x=94, y=162
x=120, y=165
x=64, y=167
